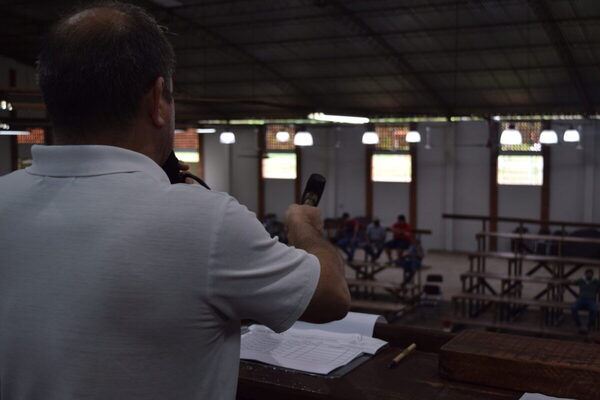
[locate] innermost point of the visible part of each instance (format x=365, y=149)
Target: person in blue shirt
x=588, y=292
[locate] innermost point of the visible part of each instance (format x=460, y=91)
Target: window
x=391, y=161
x=185, y=145
x=391, y=168
x=392, y=137
x=35, y=137
x=279, y=165
x=522, y=164
x=520, y=170
x=280, y=158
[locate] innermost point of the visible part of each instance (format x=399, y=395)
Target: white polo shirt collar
x=91, y=160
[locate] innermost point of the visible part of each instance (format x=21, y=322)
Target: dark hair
x=589, y=270
x=401, y=217
x=345, y=215
x=94, y=71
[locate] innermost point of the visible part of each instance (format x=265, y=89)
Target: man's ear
x=159, y=108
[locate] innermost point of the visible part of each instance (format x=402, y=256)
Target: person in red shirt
x=402, y=237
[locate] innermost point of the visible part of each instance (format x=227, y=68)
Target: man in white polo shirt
x=115, y=284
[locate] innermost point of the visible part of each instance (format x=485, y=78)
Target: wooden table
x=416, y=378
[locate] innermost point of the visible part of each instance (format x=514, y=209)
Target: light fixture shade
x=511, y=136
x=227, y=138
x=548, y=136
x=413, y=137
x=282, y=136
x=370, y=137
x=571, y=135
x=344, y=119
x=16, y=133
x=303, y=138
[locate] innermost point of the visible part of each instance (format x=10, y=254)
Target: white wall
x=453, y=178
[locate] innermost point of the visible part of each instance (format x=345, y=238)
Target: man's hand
x=183, y=168
x=298, y=215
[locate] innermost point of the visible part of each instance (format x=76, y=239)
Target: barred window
x=530, y=131
x=36, y=136
x=392, y=137
x=391, y=161
x=185, y=145
x=522, y=164
x=271, y=139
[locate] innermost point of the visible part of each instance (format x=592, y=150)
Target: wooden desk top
x=416, y=378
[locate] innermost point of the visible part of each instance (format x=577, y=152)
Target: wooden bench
x=389, y=309
x=518, y=278
x=533, y=236
x=407, y=293
x=511, y=327
x=507, y=308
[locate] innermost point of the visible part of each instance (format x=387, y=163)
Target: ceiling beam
x=373, y=57
x=540, y=68
x=399, y=60
x=444, y=30
x=544, y=15
x=199, y=28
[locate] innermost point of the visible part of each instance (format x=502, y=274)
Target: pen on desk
x=403, y=354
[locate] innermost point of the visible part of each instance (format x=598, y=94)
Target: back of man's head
x=96, y=65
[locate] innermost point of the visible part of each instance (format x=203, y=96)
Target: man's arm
x=331, y=299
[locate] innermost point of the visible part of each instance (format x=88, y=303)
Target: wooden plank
x=553, y=367
x=520, y=220
x=518, y=278
x=530, y=236
x=512, y=300
x=535, y=257
x=385, y=306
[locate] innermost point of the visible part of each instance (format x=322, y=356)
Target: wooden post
x=201, y=155
x=261, y=139
x=369, y=148
x=545, y=194
x=493, y=180
x=298, y=181
x=14, y=153
x=413, y=185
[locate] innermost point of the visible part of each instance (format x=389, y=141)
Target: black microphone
x=313, y=190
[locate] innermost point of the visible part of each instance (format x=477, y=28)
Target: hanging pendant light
x=571, y=135
x=511, y=136
x=303, y=138
x=227, y=137
x=413, y=136
x=548, y=136
x=282, y=136
x=370, y=136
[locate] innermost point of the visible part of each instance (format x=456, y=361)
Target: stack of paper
x=307, y=348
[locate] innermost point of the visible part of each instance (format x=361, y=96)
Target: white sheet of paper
x=537, y=396
x=305, y=350
x=354, y=322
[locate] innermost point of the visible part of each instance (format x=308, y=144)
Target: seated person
x=411, y=260
x=348, y=240
x=402, y=237
x=275, y=227
x=588, y=290
x=375, y=239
